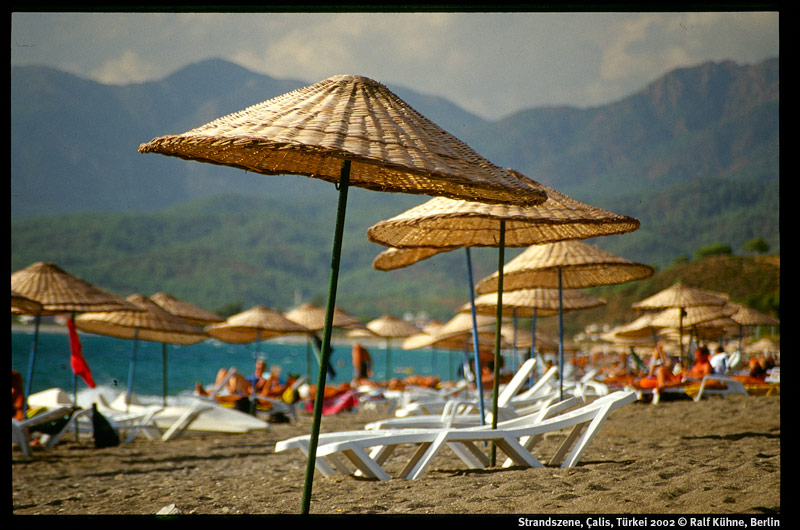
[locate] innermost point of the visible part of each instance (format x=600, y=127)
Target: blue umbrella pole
x=501, y=251
x=132, y=369
x=475, y=345
x=325, y=354
x=32, y=359
x=164, y=372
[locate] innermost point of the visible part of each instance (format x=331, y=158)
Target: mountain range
x=694, y=156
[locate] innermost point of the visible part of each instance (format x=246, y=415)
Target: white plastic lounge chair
x=514, y=437
x=732, y=386
x=20, y=430
x=511, y=391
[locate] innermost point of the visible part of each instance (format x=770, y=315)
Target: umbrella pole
x=533, y=340
x=131, y=369
x=475, y=344
x=501, y=251
x=164, y=372
x=388, y=361
x=344, y=184
x=560, y=339
x=514, y=345
x=32, y=359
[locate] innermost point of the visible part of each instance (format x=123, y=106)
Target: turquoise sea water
x=110, y=361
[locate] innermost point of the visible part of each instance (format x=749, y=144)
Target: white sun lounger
x=514, y=437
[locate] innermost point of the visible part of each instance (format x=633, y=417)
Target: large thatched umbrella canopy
x=58, y=291
x=349, y=130
x=150, y=323
x=309, y=131
x=443, y=223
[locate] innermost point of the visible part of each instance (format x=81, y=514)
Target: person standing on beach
x=362, y=362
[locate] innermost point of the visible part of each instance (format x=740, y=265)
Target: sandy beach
x=717, y=456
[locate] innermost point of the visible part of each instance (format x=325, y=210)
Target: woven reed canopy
x=23, y=304
x=255, y=324
x=442, y=223
x=523, y=302
x=582, y=265
x=192, y=314
x=61, y=292
x=745, y=316
x=679, y=295
x=312, y=317
x=151, y=323
x=397, y=258
x=641, y=328
x=389, y=326
x=675, y=317
x=309, y=131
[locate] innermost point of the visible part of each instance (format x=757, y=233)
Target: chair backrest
x=513, y=386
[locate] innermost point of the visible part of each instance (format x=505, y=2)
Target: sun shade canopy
x=309, y=131
x=447, y=223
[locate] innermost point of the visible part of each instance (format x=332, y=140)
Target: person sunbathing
x=661, y=374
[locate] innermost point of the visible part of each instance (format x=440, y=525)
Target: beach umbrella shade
x=535, y=303
x=23, y=305
x=351, y=131
x=312, y=317
x=563, y=265
x=641, y=328
x=151, y=323
x=446, y=223
x=192, y=314
x=390, y=327
x=59, y=292
x=253, y=325
x=680, y=296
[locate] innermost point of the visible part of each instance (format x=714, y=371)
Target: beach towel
x=334, y=405
x=77, y=362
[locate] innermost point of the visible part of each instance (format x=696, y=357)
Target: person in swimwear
x=362, y=362
x=661, y=374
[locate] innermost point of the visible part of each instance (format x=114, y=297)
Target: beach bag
x=290, y=396
x=104, y=433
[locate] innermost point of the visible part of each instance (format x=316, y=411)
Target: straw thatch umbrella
x=445, y=223
x=190, y=313
x=681, y=297
x=390, y=327
x=312, y=317
x=254, y=325
x=349, y=130
x=23, y=305
x=563, y=265
x=151, y=323
x=59, y=292
x=535, y=303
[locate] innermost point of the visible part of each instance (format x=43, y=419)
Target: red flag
x=76, y=360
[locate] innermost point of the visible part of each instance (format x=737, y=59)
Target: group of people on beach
x=664, y=371
x=239, y=388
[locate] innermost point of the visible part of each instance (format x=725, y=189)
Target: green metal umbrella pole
x=341, y=210
x=497, y=333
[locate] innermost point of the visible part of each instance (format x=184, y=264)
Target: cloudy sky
x=491, y=64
